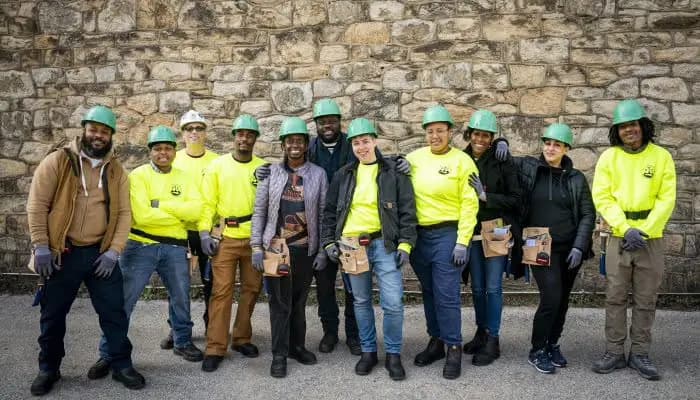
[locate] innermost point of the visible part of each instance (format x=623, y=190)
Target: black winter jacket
x=319, y=155
x=581, y=203
x=397, y=204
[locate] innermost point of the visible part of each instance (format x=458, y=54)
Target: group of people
x=335, y=202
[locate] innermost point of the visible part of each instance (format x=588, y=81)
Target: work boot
x=488, y=353
x=247, y=349
x=190, y=353
x=211, y=363
x=167, y=343
x=99, y=370
x=540, y=360
x=130, y=378
x=644, y=366
x=453, y=363
x=43, y=383
x=353, y=343
x=433, y=352
x=366, y=363
x=394, y=366
x=609, y=363
x=328, y=343
x=302, y=355
x=554, y=351
x=479, y=340
x=278, y=369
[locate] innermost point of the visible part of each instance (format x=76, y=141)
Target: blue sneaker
x=554, y=352
x=540, y=360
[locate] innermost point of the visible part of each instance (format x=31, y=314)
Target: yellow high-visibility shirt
x=194, y=166
x=364, y=209
x=441, y=185
x=635, y=182
x=178, y=197
x=228, y=190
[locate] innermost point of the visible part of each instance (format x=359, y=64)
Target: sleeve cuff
x=405, y=247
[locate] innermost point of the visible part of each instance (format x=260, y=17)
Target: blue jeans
x=439, y=278
x=137, y=263
x=487, y=289
x=390, y=281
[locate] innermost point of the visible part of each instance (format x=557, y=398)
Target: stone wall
x=532, y=62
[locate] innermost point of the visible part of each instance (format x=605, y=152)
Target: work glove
x=321, y=261
x=502, y=150
x=262, y=172
x=258, y=257
x=634, y=240
x=209, y=245
x=401, y=258
x=333, y=252
x=460, y=255
x=155, y=203
x=574, y=258
x=43, y=261
x=475, y=182
x=105, y=264
x=403, y=166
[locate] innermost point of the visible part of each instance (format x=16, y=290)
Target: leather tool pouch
x=353, y=256
x=276, y=256
x=537, y=246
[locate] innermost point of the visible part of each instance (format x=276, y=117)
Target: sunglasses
x=195, y=129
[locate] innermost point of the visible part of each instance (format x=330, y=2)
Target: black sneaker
x=540, y=360
x=328, y=342
x=354, y=346
x=247, y=349
x=644, y=366
x=190, y=353
x=130, y=378
x=99, y=370
x=555, y=355
x=167, y=343
x=609, y=363
x=43, y=383
x=211, y=363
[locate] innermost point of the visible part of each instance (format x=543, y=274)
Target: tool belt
x=495, y=243
x=160, y=239
x=637, y=214
x=235, y=222
x=537, y=247
x=353, y=255
x=440, y=225
x=277, y=258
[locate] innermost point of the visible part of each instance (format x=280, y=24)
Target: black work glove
x=634, y=240
x=105, y=264
x=460, y=255
x=402, y=258
x=43, y=261
x=321, y=261
x=574, y=258
x=333, y=252
x=262, y=172
x=403, y=166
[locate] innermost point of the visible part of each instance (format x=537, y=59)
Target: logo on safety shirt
x=648, y=171
x=444, y=170
x=175, y=190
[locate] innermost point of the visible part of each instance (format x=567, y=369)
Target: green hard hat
x=437, y=114
x=560, y=132
x=245, y=121
x=628, y=110
x=361, y=126
x=161, y=134
x=102, y=115
x=326, y=107
x=293, y=126
x=483, y=120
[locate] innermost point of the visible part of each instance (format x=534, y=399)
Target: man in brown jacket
x=79, y=218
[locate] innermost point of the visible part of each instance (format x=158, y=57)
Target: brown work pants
x=232, y=254
x=641, y=271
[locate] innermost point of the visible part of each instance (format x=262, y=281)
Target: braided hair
x=647, y=132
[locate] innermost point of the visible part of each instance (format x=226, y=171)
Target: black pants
x=328, y=309
x=555, y=283
x=288, y=296
x=196, y=249
x=107, y=296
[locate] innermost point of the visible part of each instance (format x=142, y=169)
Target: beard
x=92, y=151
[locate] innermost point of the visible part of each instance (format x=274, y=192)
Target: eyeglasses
x=195, y=128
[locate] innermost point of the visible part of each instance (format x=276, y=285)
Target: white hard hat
x=192, y=116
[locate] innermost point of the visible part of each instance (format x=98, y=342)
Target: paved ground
x=676, y=352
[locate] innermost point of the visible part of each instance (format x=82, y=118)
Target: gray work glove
x=155, y=203
x=634, y=240
x=105, y=264
x=321, y=261
x=460, y=255
x=262, y=172
x=574, y=258
x=401, y=258
x=475, y=182
x=333, y=253
x=258, y=257
x=403, y=166
x=209, y=245
x=43, y=261
x=502, y=152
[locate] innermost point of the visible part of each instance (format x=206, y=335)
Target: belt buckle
x=364, y=239
x=232, y=222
